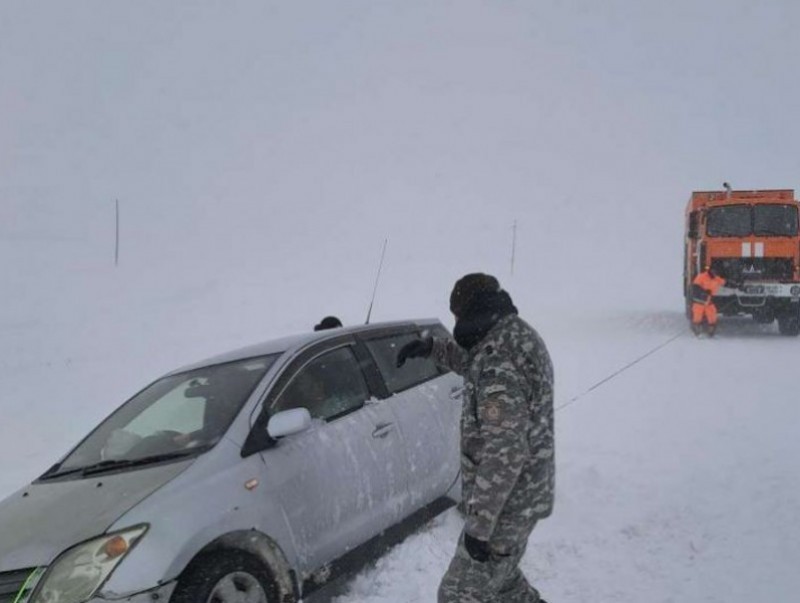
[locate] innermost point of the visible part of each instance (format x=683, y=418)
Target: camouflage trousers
x=497, y=580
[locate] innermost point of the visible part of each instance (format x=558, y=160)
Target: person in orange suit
x=704, y=287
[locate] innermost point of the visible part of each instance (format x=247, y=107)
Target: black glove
x=419, y=348
x=477, y=549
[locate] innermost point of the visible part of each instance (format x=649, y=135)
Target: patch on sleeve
x=492, y=412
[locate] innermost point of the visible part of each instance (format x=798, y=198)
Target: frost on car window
x=179, y=412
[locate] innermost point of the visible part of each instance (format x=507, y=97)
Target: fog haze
x=262, y=152
x=290, y=139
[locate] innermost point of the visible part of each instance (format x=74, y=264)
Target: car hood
x=42, y=520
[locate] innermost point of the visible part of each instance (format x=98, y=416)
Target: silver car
x=251, y=477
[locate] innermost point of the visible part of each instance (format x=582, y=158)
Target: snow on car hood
x=40, y=521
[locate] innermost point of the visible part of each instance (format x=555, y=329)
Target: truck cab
x=752, y=239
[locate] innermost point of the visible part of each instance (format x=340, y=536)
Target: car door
x=339, y=482
x=448, y=390
x=427, y=405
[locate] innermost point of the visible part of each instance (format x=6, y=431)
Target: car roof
x=293, y=343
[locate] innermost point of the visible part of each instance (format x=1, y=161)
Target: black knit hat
x=468, y=287
x=329, y=322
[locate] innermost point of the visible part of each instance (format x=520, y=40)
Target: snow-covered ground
x=677, y=480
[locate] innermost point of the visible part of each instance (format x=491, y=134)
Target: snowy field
x=677, y=478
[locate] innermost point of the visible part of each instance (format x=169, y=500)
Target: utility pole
x=116, y=238
x=513, y=246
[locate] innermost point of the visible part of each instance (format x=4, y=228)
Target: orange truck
x=752, y=239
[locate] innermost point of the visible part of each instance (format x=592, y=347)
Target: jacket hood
x=44, y=519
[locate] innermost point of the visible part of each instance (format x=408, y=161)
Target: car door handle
x=381, y=431
x=456, y=392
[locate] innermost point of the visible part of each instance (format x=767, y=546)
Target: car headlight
x=77, y=574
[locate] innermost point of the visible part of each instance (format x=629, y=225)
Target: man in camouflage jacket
x=507, y=447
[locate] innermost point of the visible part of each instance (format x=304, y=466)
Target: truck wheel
x=789, y=324
x=225, y=577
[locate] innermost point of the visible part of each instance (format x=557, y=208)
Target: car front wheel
x=225, y=577
x=789, y=323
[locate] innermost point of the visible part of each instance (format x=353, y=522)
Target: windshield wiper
x=111, y=465
x=51, y=473
x=774, y=233
x=114, y=464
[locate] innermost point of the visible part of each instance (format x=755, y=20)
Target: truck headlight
x=78, y=573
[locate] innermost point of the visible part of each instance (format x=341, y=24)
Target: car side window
x=329, y=386
x=413, y=372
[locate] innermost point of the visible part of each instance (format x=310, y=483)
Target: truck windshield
x=775, y=220
x=730, y=221
x=174, y=416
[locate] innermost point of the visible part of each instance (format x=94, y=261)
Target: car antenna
x=377, y=278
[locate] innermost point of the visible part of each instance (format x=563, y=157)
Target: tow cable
x=623, y=369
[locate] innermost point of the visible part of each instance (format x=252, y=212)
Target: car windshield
x=174, y=417
x=775, y=220
x=730, y=221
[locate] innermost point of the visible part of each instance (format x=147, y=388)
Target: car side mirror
x=289, y=422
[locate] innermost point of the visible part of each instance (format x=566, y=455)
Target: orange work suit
x=704, y=287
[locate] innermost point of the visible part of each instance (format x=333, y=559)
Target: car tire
x=789, y=324
x=225, y=576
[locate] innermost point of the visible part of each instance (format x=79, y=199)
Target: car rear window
x=413, y=372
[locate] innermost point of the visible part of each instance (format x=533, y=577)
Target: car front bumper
x=762, y=289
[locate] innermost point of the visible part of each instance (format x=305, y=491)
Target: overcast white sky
x=286, y=140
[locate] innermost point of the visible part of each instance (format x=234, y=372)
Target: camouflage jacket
x=507, y=445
